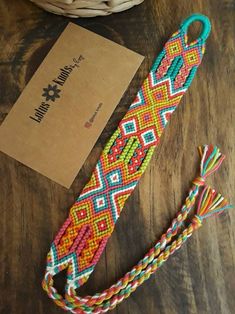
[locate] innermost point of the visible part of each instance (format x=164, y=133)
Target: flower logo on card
x=51, y=92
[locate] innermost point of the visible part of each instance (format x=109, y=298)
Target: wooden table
x=200, y=278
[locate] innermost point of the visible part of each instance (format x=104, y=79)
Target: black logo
x=51, y=92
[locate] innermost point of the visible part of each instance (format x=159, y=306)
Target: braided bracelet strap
x=210, y=203
x=91, y=219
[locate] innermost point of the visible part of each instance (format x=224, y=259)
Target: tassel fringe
x=211, y=159
x=211, y=203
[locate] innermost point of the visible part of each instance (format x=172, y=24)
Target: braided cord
x=210, y=203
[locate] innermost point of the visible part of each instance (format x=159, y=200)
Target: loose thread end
x=211, y=159
x=211, y=203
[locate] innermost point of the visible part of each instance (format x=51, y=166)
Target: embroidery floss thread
x=92, y=218
x=210, y=203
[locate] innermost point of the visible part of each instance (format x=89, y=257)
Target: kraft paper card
x=67, y=103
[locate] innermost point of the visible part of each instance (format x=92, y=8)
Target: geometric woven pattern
x=92, y=218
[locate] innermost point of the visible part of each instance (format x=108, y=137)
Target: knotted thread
x=210, y=203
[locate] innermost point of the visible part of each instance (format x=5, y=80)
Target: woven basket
x=86, y=8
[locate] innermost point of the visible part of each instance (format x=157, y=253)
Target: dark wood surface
x=200, y=278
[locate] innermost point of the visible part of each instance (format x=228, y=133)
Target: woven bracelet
x=83, y=237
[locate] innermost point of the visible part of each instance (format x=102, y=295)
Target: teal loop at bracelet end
x=206, y=26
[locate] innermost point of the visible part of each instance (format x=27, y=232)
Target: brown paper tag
x=67, y=103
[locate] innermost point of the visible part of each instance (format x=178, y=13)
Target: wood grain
x=200, y=278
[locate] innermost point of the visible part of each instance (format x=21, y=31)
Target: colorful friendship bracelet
x=81, y=240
